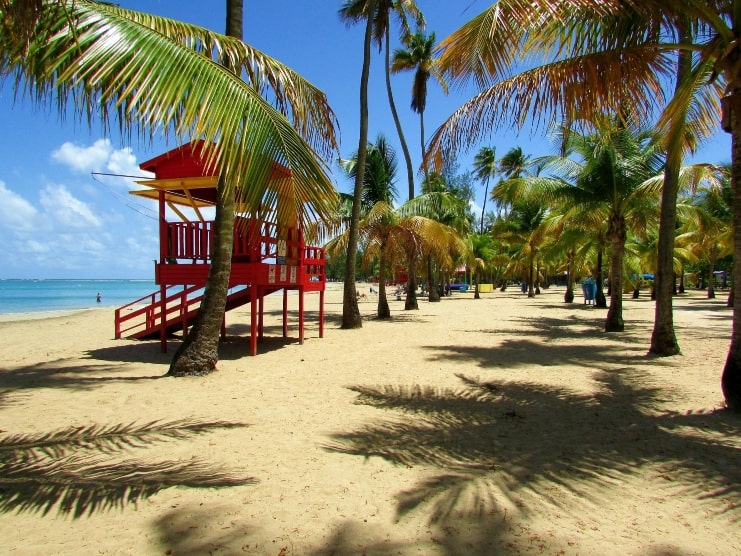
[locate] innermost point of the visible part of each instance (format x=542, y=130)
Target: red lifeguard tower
x=267, y=257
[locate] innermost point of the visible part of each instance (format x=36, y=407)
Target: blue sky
x=59, y=221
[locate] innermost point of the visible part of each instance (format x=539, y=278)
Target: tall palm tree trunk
x=663, y=339
x=568, y=296
x=199, y=352
x=433, y=295
x=410, y=303
x=614, y=321
x=422, y=142
x=397, y=121
x=350, y=310
x=383, y=312
x=731, y=378
x=483, y=208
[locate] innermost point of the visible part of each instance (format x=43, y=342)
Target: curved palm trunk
x=350, y=310
x=422, y=141
x=711, y=282
x=410, y=303
x=530, y=289
x=731, y=378
x=614, y=321
x=537, y=278
x=568, y=297
x=383, y=304
x=199, y=352
x=663, y=339
x=483, y=208
x=397, y=122
x=433, y=295
x=476, y=294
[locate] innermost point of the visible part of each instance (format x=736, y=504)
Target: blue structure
x=589, y=288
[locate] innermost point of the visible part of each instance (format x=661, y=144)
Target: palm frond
x=107, y=62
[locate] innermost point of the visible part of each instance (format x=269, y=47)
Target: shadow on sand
x=502, y=447
x=77, y=470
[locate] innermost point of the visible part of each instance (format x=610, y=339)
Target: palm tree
x=440, y=204
x=151, y=72
x=707, y=228
x=387, y=234
x=350, y=310
x=607, y=181
x=378, y=189
x=418, y=57
x=612, y=54
x=515, y=163
x=525, y=229
x=485, y=168
x=479, y=252
x=200, y=345
x=404, y=10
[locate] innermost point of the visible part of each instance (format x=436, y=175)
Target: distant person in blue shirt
x=97, y=297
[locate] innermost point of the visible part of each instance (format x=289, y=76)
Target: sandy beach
x=503, y=425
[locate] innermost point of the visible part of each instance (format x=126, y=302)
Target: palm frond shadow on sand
x=497, y=444
x=78, y=470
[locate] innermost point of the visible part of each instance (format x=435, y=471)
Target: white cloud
x=15, y=212
x=84, y=159
x=65, y=209
x=123, y=162
x=102, y=157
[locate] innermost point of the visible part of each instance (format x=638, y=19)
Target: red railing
x=144, y=313
x=254, y=242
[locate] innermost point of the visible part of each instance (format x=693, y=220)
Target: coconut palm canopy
x=164, y=76
x=579, y=57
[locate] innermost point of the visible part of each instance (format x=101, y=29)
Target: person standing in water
x=97, y=297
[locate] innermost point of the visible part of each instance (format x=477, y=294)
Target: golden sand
x=504, y=425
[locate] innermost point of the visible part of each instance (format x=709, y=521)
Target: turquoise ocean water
x=33, y=296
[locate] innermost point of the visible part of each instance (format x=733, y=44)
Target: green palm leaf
x=152, y=73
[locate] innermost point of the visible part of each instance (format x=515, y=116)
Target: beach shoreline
x=504, y=425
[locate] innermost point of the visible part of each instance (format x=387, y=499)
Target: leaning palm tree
x=418, y=57
x=403, y=10
x=379, y=187
x=350, y=310
x=151, y=73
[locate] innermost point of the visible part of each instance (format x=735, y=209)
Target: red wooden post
x=321, y=313
x=301, y=315
x=285, y=313
x=261, y=309
x=253, y=322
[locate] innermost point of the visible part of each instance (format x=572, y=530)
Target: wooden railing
x=253, y=242
x=145, y=312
